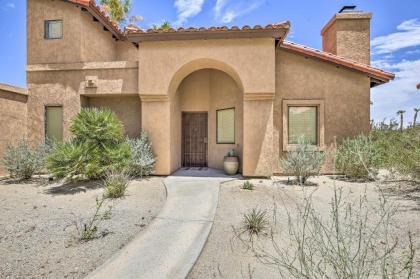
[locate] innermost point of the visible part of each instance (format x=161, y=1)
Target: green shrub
x=358, y=157
x=24, y=160
x=97, y=145
x=248, y=186
x=303, y=162
x=256, y=221
x=399, y=151
x=116, y=183
x=142, y=161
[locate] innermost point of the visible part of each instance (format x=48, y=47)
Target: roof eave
x=377, y=76
x=207, y=35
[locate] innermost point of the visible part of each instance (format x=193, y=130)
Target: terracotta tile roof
x=276, y=30
x=373, y=72
x=274, y=26
x=100, y=14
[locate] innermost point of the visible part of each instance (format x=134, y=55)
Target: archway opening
x=206, y=119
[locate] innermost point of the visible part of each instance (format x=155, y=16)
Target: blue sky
x=395, y=34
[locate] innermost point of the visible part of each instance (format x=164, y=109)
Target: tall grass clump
x=116, y=183
x=24, y=160
x=399, y=150
x=357, y=157
x=303, y=162
x=96, y=146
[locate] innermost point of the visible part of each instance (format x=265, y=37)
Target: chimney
x=347, y=34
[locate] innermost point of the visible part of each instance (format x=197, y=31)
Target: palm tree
x=401, y=114
x=165, y=25
x=416, y=110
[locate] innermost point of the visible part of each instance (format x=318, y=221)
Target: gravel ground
x=224, y=256
x=38, y=236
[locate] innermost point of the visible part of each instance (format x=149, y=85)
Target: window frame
x=234, y=125
x=46, y=29
x=320, y=130
x=45, y=119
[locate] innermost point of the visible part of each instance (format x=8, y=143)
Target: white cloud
x=408, y=35
x=398, y=94
x=187, y=9
x=11, y=5
x=226, y=11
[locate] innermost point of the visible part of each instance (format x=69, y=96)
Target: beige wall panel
x=346, y=95
x=12, y=120
x=163, y=65
x=127, y=109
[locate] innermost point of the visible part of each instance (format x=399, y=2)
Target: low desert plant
x=399, y=151
x=142, y=160
x=355, y=240
x=116, y=183
x=303, y=162
x=97, y=145
x=255, y=222
x=358, y=157
x=24, y=160
x=89, y=230
x=248, y=186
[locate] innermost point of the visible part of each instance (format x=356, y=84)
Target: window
x=54, y=123
x=225, y=122
x=303, y=118
x=302, y=122
x=53, y=29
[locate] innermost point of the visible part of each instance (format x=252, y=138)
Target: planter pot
x=231, y=165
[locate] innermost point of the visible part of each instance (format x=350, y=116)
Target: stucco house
x=200, y=92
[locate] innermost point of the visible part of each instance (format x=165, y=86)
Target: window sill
x=292, y=147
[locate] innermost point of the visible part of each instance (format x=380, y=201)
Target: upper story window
x=53, y=29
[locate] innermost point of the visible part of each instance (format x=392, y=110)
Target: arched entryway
x=203, y=107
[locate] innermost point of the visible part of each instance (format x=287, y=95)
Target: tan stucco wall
x=127, y=109
x=206, y=90
x=84, y=40
x=13, y=115
x=249, y=62
x=346, y=95
x=67, y=88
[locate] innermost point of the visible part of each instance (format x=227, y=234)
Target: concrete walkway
x=171, y=244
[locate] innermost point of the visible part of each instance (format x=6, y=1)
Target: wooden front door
x=194, y=139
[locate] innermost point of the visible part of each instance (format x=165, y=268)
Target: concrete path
x=171, y=244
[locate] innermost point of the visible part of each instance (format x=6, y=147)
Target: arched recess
x=205, y=85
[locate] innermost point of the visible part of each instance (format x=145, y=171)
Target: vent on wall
x=91, y=82
x=347, y=9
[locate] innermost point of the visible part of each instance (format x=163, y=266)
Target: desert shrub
x=399, y=151
x=303, y=162
x=352, y=240
x=89, y=230
x=24, y=160
x=256, y=221
x=142, y=161
x=358, y=157
x=97, y=145
x=248, y=186
x=116, y=183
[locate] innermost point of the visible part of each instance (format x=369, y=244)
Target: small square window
x=225, y=122
x=53, y=29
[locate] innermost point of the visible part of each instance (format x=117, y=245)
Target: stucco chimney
x=347, y=34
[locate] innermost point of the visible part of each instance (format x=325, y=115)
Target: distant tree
x=164, y=25
x=118, y=10
x=416, y=111
x=401, y=114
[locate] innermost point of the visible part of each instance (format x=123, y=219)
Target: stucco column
x=155, y=117
x=258, y=148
